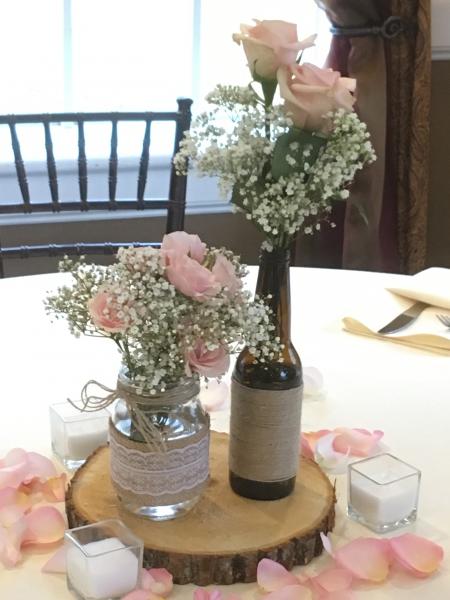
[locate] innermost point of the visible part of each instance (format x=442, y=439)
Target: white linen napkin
x=379, y=306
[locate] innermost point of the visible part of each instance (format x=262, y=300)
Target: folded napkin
x=379, y=306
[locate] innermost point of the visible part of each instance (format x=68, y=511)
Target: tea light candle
x=75, y=434
x=103, y=560
x=109, y=574
x=383, y=492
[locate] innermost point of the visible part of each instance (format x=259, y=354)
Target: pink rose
x=209, y=363
x=180, y=242
x=224, y=272
x=104, y=315
x=269, y=44
x=310, y=93
x=190, y=278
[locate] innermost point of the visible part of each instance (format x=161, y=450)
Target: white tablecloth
x=368, y=383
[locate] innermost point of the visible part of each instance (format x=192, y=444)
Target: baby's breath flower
x=235, y=142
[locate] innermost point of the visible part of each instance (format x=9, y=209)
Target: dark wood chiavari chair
x=174, y=204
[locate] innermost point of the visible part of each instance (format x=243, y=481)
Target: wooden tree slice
x=224, y=536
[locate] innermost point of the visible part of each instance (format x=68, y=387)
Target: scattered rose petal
x=137, y=595
x=11, y=495
x=53, y=489
x=157, y=581
x=313, y=381
x=45, y=525
x=326, y=542
x=40, y=466
x=343, y=595
x=332, y=580
x=202, y=594
x=214, y=395
x=290, y=592
x=365, y=558
x=11, y=539
x=19, y=467
x=357, y=442
x=56, y=563
x=309, y=440
x=327, y=457
x=272, y=576
x=419, y=556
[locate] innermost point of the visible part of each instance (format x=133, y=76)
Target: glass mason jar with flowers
x=176, y=313
x=283, y=163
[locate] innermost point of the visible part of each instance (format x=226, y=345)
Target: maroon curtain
x=383, y=227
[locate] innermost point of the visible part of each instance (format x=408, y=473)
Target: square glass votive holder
x=383, y=492
x=104, y=560
x=75, y=434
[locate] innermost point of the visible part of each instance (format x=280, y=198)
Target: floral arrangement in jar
x=176, y=314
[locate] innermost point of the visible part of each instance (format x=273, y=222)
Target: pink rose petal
x=419, y=556
x=342, y=595
x=157, y=581
x=272, y=576
x=9, y=495
x=53, y=489
x=11, y=539
x=40, y=466
x=45, y=525
x=332, y=580
x=357, y=442
x=137, y=595
x=56, y=563
x=326, y=542
x=327, y=457
x=365, y=558
x=202, y=594
x=290, y=592
x=309, y=440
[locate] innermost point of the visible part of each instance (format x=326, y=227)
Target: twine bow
x=151, y=434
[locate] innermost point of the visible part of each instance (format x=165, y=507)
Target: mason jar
x=159, y=446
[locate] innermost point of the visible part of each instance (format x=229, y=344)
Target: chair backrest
x=174, y=203
x=176, y=198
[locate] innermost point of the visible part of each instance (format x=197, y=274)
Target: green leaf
x=304, y=139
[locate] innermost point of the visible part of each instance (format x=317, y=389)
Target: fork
x=444, y=319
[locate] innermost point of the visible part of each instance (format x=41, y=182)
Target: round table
x=367, y=383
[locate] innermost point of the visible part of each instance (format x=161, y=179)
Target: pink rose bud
x=224, y=272
x=104, y=314
x=209, y=363
x=180, y=242
x=310, y=93
x=270, y=44
x=190, y=278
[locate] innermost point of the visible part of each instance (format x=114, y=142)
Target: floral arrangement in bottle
x=174, y=312
x=285, y=162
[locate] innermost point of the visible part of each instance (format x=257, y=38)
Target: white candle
x=83, y=438
x=383, y=504
x=383, y=490
x=109, y=571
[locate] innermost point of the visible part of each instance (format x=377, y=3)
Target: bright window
x=93, y=55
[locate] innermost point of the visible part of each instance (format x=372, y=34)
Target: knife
x=404, y=319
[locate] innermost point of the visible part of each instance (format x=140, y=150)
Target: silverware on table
x=404, y=319
x=444, y=319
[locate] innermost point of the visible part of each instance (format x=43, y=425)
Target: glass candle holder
x=75, y=434
x=104, y=560
x=383, y=492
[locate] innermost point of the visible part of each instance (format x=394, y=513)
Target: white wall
x=440, y=29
